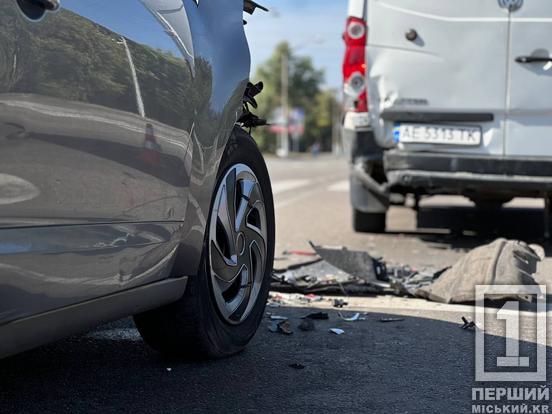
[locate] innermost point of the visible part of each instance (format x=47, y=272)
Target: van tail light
x=354, y=64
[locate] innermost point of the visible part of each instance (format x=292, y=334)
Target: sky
x=312, y=27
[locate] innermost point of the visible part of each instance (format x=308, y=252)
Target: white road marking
x=288, y=185
x=295, y=199
x=340, y=187
x=315, y=187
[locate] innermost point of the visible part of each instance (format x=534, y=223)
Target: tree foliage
x=305, y=92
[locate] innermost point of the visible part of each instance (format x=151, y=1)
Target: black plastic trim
x=522, y=166
x=431, y=117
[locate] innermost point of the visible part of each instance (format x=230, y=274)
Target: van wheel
x=368, y=222
x=224, y=304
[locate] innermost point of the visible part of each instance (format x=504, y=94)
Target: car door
x=438, y=61
x=529, y=125
x=97, y=107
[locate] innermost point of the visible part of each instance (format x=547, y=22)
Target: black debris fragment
x=388, y=320
x=249, y=6
x=248, y=119
x=317, y=316
x=296, y=365
x=357, y=263
x=339, y=303
x=468, y=324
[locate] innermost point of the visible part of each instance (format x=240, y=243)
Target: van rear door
x=438, y=62
x=529, y=126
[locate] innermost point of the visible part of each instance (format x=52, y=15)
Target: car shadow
x=414, y=364
x=463, y=227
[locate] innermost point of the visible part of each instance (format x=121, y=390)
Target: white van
x=459, y=101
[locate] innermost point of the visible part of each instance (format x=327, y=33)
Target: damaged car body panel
x=452, y=71
x=455, y=104
x=114, y=118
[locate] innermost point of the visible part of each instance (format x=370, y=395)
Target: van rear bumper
x=466, y=174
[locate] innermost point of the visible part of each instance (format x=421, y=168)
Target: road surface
x=423, y=363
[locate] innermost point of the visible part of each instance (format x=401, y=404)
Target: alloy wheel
x=237, y=243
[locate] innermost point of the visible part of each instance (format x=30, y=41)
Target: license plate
x=354, y=120
x=437, y=134
x=361, y=120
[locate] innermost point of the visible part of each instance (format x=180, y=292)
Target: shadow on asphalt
x=417, y=365
x=464, y=228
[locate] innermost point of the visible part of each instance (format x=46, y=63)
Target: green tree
x=305, y=92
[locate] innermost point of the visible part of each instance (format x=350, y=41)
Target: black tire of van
x=368, y=222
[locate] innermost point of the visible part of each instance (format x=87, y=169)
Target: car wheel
x=224, y=304
x=368, y=222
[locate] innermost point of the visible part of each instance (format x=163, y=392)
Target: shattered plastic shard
x=337, y=331
x=282, y=327
x=354, y=318
x=387, y=320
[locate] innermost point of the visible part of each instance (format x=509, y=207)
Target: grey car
x=128, y=184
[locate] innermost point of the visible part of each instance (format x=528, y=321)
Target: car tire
x=199, y=326
x=368, y=222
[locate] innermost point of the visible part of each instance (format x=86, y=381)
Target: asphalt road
x=423, y=363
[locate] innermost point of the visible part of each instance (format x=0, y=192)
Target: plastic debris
x=317, y=316
x=282, y=327
x=169, y=369
x=359, y=264
x=307, y=325
x=275, y=301
x=314, y=298
x=388, y=320
x=339, y=303
x=296, y=365
x=337, y=331
x=355, y=317
x=278, y=318
x=348, y=272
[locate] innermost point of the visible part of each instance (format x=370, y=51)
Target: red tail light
x=354, y=65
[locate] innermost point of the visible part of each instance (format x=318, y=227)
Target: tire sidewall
x=229, y=338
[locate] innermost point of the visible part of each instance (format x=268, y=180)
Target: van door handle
x=533, y=59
